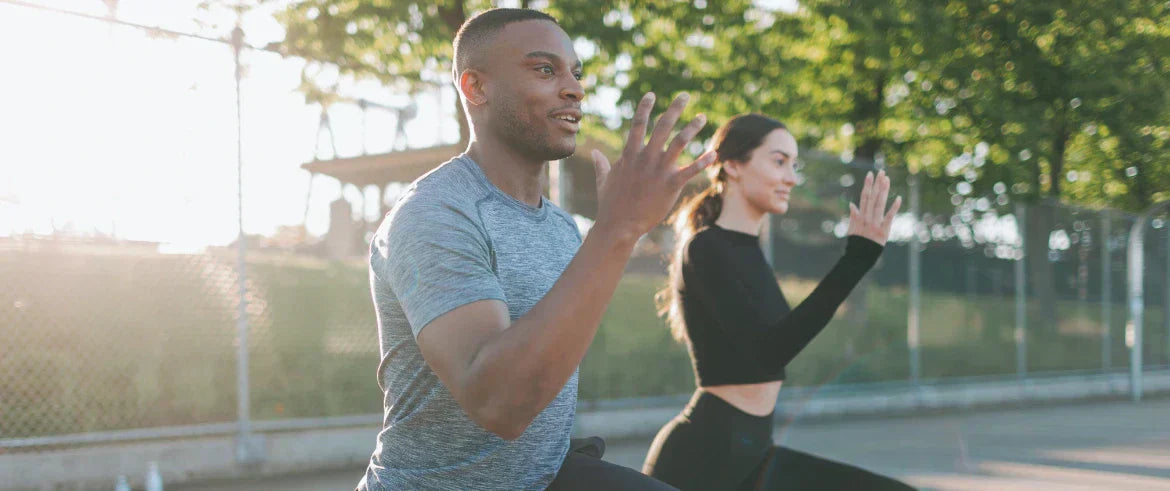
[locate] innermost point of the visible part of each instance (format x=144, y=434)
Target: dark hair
x=476, y=32
x=733, y=142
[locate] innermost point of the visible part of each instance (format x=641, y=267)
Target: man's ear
x=471, y=86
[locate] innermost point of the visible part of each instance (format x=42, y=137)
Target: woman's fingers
x=864, y=204
x=882, y=193
x=889, y=218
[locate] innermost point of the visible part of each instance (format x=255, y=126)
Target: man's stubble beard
x=529, y=140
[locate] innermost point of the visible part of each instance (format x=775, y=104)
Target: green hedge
x=106, y=340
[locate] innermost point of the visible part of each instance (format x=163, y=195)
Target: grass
x=121, y=340
x=633, y=354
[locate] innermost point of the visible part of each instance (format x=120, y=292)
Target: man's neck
x=519, y=176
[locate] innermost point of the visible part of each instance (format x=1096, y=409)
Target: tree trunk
x=1041, y=220
x=867, y=116
x=454, y=17
x=1056, y=168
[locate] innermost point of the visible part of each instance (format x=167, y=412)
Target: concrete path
x=1109, y=445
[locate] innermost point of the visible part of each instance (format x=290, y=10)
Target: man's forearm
x=519, y=371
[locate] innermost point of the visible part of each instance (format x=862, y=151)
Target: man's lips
x=572, y=115
x=569, y=119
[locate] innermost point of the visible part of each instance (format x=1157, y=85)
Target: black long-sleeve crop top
x=740, y=328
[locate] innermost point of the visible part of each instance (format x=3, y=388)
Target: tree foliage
x=1032, y=100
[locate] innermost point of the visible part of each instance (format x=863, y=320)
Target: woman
x=724, y=303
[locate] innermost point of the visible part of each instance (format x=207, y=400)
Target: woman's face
x=767, y=178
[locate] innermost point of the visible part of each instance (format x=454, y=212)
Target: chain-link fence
x=107, y=337
x=972, y=286
x=124, y=322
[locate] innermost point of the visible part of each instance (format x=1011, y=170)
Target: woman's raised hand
x=869, y=218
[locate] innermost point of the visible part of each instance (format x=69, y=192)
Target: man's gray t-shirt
x=454, y=238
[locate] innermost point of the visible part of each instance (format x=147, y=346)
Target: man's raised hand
x=637, y=191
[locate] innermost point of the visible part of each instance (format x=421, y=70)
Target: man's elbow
x=507, y=431
x=504, y=409
x=505, y=422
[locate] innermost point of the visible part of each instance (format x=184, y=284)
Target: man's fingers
x=686, y=173
x=667, y=121
x=684, y=137
x=600, y=166
x=637, y=133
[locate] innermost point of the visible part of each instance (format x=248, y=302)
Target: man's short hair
x=476, y=33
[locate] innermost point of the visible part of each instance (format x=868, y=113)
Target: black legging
x=584, y=470
x=712, y=445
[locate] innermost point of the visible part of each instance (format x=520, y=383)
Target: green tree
x=917, y=81
x=405, y=45
x=1053, y=82
x=1031, y=76
x=1005, y=96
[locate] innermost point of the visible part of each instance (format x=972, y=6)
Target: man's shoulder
x=451, y=189
x=457, y=180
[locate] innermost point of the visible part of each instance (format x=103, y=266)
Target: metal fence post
x=914, y=316
x=1133, y=329
x=1134, y=273
x=1021, y=293
x=1106, y=293
x=246, y=449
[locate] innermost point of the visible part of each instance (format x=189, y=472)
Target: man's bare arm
x=502, y=373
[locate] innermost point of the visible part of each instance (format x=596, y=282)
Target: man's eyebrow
x=553, y=57
x=781, y=152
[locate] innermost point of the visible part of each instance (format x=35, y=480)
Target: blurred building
x=569, y=183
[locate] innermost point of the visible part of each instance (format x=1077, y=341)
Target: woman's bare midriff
x=755, y=399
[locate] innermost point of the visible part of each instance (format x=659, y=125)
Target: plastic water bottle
x=153, y=478
x=122, y=484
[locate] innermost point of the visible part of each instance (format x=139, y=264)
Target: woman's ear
x=733, y=169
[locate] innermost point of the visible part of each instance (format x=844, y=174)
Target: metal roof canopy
x=384, y=168
x=407, y=165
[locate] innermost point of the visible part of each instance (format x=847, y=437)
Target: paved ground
x=1111, y=445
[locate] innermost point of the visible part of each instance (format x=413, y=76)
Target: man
x=487, y=297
